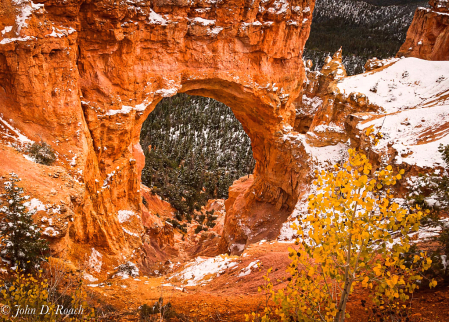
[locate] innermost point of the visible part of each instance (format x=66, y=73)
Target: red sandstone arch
x=95, y=86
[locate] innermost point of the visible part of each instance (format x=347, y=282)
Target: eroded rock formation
x=84, y=75
x=428, y=35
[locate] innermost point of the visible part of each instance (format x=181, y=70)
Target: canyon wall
x=428, y=35
x=83, y=75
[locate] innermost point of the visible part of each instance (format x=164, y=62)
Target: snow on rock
x=129, y=232
x=320, y=156
x=94, y=261
x=89, y=277
x=10, y=40
x=127, y=109
x=326, y=155
x=247, y=270
x=171, y=90
x=313, y=104
x=287, y=233
x=332, y=127
x=196, y=271
x=125, y=215
x=59, y=33
x=425, y=233
x=408, y=83
x=415, y=134
x=203, y=22
x=127, y=270
x=73, y=161
x=215, y=31
x=6, y=29
x=16, y=134
x=27, y=8
x=29, y=158
x=156, y=19
x=415, y=95
x=35, y=205
x=50, y=231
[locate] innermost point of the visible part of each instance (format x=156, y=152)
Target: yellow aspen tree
x=354, y=234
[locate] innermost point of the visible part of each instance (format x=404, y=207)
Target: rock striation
x=83, y=75
x=428, y=35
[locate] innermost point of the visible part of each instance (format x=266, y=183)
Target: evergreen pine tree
x=196, y=143
x=20, y=241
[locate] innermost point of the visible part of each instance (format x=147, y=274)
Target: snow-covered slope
x=408, y=83
x=415, y=134
x=411, y=100
x=414, y=94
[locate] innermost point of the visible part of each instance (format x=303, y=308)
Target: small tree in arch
x=20, y=238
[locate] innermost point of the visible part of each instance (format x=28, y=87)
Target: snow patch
x=331, y=127
x=129, y=232
x=6, y=29
x=59, y=33
x=35, y=205
x=50, y=231
x=25, y=12
x=94, y=261
x=127, y=109
x=19, y=136
x=203, y=22
x=89, y=277
x=195, y=271
x=156, y=19
x=125, y=215
x=247, y=270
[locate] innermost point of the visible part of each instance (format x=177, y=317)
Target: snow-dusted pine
x=21, y=246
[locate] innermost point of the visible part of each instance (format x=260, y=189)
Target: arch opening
x=194, y=150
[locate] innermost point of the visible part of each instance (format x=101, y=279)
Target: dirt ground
x=228, y=297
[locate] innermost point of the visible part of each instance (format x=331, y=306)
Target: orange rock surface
x=84, y=75
x=428, y=35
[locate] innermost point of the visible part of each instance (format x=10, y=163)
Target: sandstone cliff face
x=83, y=76
x=428, y=35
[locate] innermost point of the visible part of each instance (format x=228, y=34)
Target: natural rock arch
x=90, y=87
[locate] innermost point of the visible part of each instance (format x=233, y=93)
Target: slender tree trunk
x=340, y=317
x=345, y=301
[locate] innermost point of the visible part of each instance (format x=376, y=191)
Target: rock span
x=84, y=75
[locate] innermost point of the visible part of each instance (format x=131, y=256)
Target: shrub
x=177, y=225
x=42, y=153
x=431, y=192
x=161, y=310
x=127, y=269
x=201, y=218
x=198, y=229
x=145, y=202
x=210, y=224
x=179, y=216
x=47, y=294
